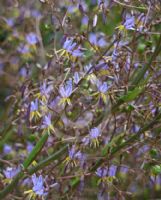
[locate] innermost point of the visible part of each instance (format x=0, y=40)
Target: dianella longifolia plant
x=80, y=99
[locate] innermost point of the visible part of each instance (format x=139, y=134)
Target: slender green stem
x=35, y=150
x=48, y=160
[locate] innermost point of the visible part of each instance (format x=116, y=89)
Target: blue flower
x=11, y=172
x=92, y=138
x=7, y=149
x=115, y=55
x=34, y=105
x=102, y=66
x=129, y=23
x=102, y=87
x=38, y=185
x=97, y=41
x=10, y=22
x=102, y=172
x=77, y=53
x=88, y=68
x=71, y=47
x=112, y=170
x=34, y=110
x=74, y=157
x=94, y=133
x=47, y=120
x=32, y=38
x=85, y=20
x=73, y=154
x=24, y=49
x=47, y=125
x=36, y=14
x=45, y=91
x=124, y=170
x=66, y=90
x=93, y=38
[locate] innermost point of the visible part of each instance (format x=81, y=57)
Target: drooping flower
x=90, y=76
x=47, y=124
x=106, y=175
x=69, y=45
x=92, y=138
x=38, y=185
x=75, y=156
x=55, y=104
x=34, y=112
x=71, y=48
x=112, y=170
x=88, y=68
x=47, y=120
x=94, y=133
x=102, y=87
x=10, y=173
x=45, y=91
x=38, y=188
x=65, y=92
x=129, y=23
x=102, y=172
x=31, y=38
x=34, y=105
x=97, y=41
